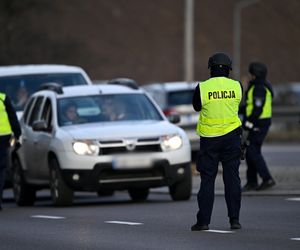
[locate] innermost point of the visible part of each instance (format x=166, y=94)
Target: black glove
x=244, y=143
x=17, y=145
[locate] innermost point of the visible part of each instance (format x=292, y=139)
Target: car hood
x=109, y=130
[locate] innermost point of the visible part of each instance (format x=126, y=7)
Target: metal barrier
x=285, y=124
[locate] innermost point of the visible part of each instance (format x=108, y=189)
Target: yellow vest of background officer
x=220, y=97
x=267, y=108
x=5, y=128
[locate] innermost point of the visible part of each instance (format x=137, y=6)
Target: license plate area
x=131, y=162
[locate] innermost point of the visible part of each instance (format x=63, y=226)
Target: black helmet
x=220, y=59
x=258, y=69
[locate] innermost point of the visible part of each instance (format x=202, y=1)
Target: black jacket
x=13, y=120
x=259, y=98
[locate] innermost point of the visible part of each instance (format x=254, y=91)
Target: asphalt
x=287, y=181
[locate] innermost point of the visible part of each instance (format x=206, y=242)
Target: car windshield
x=182, y=97
x=19, y=88
x=106, y=108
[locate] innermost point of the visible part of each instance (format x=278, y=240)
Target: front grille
x=130, y=145
x=108, y=174
x=111, y=142
x=148, y=139
x=137, y=149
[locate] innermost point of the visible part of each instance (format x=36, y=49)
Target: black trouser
x=254, y=158
x=225, y=149
x=4, y=145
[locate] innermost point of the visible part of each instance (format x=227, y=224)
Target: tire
x=24, y=194
x=61, y=194
x=105, y=192
x=139, y=194
x=182, y=190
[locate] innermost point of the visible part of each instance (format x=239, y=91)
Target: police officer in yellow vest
x=9, y=125
x=219, y=128
x=257, y=112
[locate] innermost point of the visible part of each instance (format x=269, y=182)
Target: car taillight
x=170, y=111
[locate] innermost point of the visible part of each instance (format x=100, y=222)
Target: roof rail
x=124, y=82
x=56, y=87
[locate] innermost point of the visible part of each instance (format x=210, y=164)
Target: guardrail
x=285, y=124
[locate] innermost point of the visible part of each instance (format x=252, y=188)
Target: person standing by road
x=9, y=125
x=219, y=128
x=257, y=113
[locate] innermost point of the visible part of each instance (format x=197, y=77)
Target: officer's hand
x=248, y=125
x=17, y=145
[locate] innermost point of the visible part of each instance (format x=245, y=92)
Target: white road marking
x=124, y=222
x=293, y=199
x=48, y=217
x=295, y=238
x=219, y=231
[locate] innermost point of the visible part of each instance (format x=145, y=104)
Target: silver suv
x=177, y=97
x=98, y=138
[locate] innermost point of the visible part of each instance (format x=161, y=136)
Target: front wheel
x=61, y=194
x=139, y=194
x=182, y=190
x=24, y=194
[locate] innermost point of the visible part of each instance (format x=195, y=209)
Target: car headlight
x=171, y=142
x=87, y=147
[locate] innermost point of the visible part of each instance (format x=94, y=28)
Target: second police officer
x=257, y=112
x=219, y=128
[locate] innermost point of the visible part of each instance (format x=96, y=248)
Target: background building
x=143, y=39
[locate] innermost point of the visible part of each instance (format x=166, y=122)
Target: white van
x=19, y=82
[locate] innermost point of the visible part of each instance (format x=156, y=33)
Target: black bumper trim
x=104, y=176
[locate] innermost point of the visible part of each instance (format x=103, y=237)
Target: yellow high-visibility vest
x=220, y=97
x=267, y=108
x=5, y=128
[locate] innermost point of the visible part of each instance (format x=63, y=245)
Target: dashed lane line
x=219, y=231
x=124, y=223
x=295, y=238
x=293, y=199
x=47, y=217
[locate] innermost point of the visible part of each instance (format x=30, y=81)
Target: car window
x=183, y=97
x=47, y=114
x=27, y=109
x=21, y=87
x=106, y=108
x=35, y=111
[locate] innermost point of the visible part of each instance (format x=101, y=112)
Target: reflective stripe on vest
x=220, y=97
x=5, y=128
x=267, y=108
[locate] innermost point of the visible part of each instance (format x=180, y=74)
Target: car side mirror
x=174, y=118
x=40, y=126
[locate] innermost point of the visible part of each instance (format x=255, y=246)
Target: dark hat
x=220, y=59
x=258, y=69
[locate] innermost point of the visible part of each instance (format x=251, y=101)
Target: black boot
x=249, y=187
x=199, y=227
x=266, y=184
x=235, y=224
